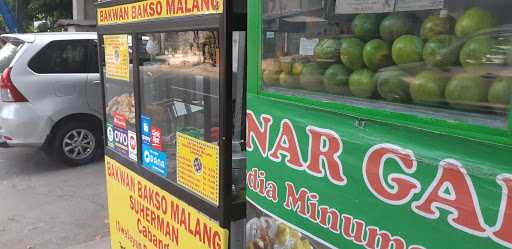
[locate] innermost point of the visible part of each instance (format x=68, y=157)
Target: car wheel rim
x=78, y=144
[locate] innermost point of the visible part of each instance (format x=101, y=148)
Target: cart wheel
x=77, y=143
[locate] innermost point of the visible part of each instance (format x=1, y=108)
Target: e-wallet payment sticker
x=110, y=136
x=121, y=141
x=156, y=138
x=154, y=160
x=146, y=129
x=132, y=146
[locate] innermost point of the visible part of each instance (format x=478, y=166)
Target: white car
x=50, y=94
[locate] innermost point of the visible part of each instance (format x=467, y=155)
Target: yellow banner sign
x=117, y=57
x=197, y=164
x=154, y=9
x=143, y=216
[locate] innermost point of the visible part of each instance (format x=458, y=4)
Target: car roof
x=31, y=37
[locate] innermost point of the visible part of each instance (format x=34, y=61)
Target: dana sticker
x=110, y=136
x=146, y=129
x=121, y=141
x=156, y=138
x=154, y=160
x=132, y=145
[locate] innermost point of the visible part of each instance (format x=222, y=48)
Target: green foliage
x=50, y=10
x=42, y=10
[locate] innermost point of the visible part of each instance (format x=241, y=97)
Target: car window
x=93, y=58
x=59, y=57
x=7, y=54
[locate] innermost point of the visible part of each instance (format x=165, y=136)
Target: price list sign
x=117, y=57
x=198, y=166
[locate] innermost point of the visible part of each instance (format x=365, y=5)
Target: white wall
x=84, y=10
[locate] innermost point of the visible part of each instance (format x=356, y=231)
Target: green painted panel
x=449, y=128
x=480, y=165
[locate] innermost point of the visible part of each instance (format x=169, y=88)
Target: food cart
x=379, y=124
x=372, y=124
x=172, y=74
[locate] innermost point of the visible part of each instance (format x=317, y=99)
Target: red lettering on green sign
x=325, y=147
x=451, y=191
x=461, y=199
x=502, y=232
x=256, y=182
x=306, y=205
x=404, y=187
x=287, y=144
x=259, y=133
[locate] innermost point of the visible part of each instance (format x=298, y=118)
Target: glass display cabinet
x=173, y=75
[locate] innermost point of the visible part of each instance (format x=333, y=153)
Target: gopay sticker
x=110, y=136
x=146, y=129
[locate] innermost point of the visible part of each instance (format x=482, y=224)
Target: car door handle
x=96, y=82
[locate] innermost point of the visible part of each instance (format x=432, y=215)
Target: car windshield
x=7, y=54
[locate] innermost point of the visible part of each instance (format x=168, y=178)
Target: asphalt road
x=46, y=205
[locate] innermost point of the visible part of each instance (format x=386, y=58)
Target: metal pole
x=20, y=15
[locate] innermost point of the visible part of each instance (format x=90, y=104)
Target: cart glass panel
x=448, y=59
x=180, y=108
x=119, y=95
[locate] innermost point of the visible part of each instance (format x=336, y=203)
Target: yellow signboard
x=143, y=216
x=154, y=9
x=197, y=164
x=117, y=60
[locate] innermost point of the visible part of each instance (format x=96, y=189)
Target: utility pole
x=20, y=15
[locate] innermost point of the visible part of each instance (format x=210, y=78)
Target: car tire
x=77, y=143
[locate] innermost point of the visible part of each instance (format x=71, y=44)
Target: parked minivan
x=50, y=94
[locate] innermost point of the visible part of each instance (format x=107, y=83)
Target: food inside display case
x=446, y=59
x=119, y=96
x=179, y=95
x=122, y=105
x=265, y=232
x=180, y=118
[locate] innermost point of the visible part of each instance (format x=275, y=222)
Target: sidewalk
x=103, y=243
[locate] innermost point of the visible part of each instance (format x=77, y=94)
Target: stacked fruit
x=453, y=58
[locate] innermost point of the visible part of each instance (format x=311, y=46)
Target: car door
x=93, y=84
x=59, y=73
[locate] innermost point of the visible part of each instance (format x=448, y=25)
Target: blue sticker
x=121, y=141
x=154, y=160
x=146, y=129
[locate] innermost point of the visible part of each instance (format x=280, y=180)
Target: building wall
x=84, y=10
x=84, y=16
x=90, y=10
